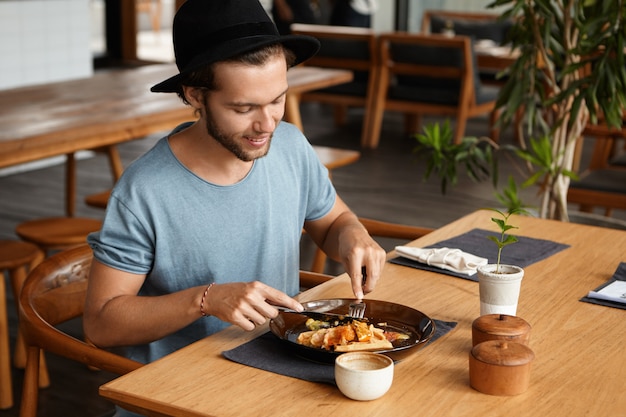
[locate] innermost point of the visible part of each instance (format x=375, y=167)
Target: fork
x=357, y=309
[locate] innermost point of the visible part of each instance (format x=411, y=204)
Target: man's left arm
x=343, y=238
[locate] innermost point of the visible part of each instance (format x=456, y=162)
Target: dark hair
x=205, y=77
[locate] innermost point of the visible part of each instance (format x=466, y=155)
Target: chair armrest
x=310, y=279
x=393, y=230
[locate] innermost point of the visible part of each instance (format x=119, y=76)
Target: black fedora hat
x=208, y=31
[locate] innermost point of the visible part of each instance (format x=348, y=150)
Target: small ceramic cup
x=363, y=376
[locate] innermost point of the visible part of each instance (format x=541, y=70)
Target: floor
x=385, y=184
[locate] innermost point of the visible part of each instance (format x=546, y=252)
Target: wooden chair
x=599, y=188
x=57, y=233
x=63, y=232
x=348, y=48
x=310, y=279
x=478, y=26
x=377, y=229
x=474, y=24
x=53, y=293
x=16, y=258
x=429, y=74
x=607, y=152
x=603, y=183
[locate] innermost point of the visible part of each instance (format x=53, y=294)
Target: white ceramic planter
x=499, y=292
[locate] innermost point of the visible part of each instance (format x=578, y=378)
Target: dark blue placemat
x=525, y=252
x=269, y=353
x=619, y=275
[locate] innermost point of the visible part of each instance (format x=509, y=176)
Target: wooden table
x=112, y=107
x=579, y=368
x=109, y=108
x=494, y=57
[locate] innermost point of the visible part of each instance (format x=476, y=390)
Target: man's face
x=248, y=104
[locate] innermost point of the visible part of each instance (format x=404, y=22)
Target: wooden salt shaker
x=500, y=327
x=500, y=368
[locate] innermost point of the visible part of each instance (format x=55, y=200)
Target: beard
x=234, y=143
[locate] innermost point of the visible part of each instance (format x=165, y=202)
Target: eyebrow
x=243, y=104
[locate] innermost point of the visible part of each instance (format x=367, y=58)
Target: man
x=203, y=230
x=286, y=12
x=356, y=13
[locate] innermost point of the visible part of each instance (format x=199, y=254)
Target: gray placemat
x=523, y=253
x=619, y=275
x=269, y=353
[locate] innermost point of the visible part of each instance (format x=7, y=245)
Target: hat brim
x=303, y=47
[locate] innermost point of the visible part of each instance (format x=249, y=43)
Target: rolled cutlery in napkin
x=615, y=291
x=445, y=258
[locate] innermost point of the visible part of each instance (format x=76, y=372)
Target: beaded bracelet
x=202, y=313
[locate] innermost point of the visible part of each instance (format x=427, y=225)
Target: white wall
x=43, y=41
x=384, y=18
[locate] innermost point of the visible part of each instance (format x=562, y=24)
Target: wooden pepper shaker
x=500, y=327
x=500, y=368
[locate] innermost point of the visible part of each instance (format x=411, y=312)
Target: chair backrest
x=343, y=47
x=427, y=75
x=432, y=70
x=54, y=293
x=474, y=24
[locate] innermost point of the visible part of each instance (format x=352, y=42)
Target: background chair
x=57, y=233
x=54, y=293
x=429, y=74
x=476, y=25
x=348, y=48
x=599, y=188
x=63, y=232
x=603, y=183
x=16, y=258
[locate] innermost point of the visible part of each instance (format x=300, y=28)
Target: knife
x=317, y=315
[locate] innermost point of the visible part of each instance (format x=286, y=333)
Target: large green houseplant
x=570, y=72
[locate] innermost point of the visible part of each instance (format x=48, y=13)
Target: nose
x=267, y=119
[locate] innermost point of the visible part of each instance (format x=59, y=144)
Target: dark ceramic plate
x=396, y=317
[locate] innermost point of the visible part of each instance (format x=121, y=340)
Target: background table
x=112, y=107
x=579, y=367
x=109, y=108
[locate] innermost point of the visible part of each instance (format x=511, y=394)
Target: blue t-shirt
x=182, y=231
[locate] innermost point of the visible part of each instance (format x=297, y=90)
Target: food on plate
x=348, y=337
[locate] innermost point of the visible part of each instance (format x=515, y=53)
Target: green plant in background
x=479, y=158
x=503, y=224
x=509, y=197
x=571, y=71
x=443, y=157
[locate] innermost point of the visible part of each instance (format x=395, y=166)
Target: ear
x=194, y=96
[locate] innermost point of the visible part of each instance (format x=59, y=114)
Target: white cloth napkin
x=445, y=258
x=615, y=291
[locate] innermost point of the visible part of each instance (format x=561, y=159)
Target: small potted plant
x=499, y=284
